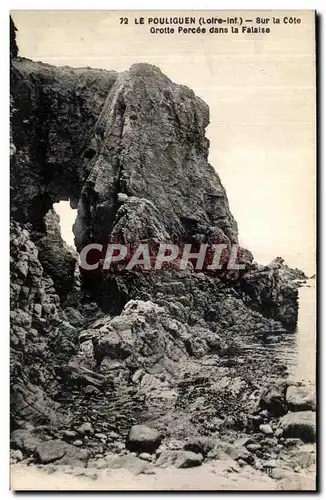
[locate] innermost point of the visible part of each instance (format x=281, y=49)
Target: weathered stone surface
x=145, y=456
x=86, y=428
x=273, y=292
x=129, y=462
x=177, y=137
x=15, y=456
x=120, y=106
x=272, y=398
x=166, y=458
x=266, y=429
x=57, y=259
x=300, y=398
x=13, y=42
x=143, y=439
x=188, y=459
x=200, y=444
x=35, y=325
x=60, y=452
x=301, y=424
x=54, y=108
x=49, y=451
x=236, y=452
x=143, y=331
x=25, y=440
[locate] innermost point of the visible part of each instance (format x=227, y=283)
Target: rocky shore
x=148, y=372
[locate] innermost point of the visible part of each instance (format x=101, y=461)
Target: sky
x=261, y=94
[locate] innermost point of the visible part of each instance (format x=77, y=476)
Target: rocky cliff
x=129, y=151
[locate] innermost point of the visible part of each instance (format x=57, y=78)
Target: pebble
x=69, y=434
x=78, y=442
x=266, y=429
x=145, y=456
x=279, y=473
x=16, y=455
x=113, y=435
x=86, y=428
x=90, y=389
x=100, y=436
x=270, y=464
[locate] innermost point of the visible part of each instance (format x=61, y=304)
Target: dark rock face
x=271, y=290
x=54, y=110
x=58, y=260
x=13, y=43
x=39, y=334
x=272, y=399
x=129, y=151
x=85, y=135
x=151, y=134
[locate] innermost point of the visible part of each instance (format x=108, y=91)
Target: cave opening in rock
x=67, y=218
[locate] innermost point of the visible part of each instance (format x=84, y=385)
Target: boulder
x=145, y=456
x=15, y=456
x=200, y=444
x=58, y=451
x=237, y=452
x=187, y=459
x=143, y=439
x=25, y=440
x=300, y=398
x=301, y=424
x=86, y=428
x=266, y=429
x=271, y=288
x=49, y=451
x=272, y=399
x=167, y=458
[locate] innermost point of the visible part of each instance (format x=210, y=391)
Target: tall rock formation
x=88, y=135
